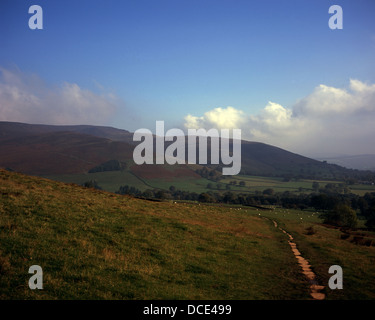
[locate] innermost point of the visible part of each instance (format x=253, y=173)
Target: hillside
x=265, y=160
x=97, y=245
x=51, y=150
x=59, y=152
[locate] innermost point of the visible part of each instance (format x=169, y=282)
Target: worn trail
x=315, y=288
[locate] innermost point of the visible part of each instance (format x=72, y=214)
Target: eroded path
x=315, y=288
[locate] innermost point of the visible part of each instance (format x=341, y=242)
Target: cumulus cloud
x=220, y=118
x=26, y=98
x=327, y=100
x=328, y=121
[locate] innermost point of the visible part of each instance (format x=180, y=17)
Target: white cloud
x=274, y=117
x=217, y=118
x=329, y=120
x=327, y=100
x=323, y=101
x=26, y=98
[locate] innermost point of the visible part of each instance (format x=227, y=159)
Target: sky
x=272, y=68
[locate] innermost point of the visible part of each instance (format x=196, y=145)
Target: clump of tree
x=268, y=191
x=366, y=205
x=129, y=190
x=111, y=165
x=210, y=174
x=205, y=197
x=324, y=201
x=92, y=184
x=334, y=188
x=341, y=215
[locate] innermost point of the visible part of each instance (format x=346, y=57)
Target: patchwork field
x=187, y=180
x=98, y=245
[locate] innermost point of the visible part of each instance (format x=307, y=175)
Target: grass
x=112, y=180
x=98, y=245
x=324, y=248
x=362, y=189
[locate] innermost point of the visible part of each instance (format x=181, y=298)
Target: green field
x=109, y=181
x=98, y=245
x=362, y=189
x=112, y=180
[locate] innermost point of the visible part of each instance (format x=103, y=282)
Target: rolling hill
x=47, y=150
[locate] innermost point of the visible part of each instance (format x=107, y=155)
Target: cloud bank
x=327, y=121
x=26, y=98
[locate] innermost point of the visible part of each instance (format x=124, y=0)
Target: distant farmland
x=162, y=177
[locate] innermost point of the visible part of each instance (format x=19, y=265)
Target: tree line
x=336, y=205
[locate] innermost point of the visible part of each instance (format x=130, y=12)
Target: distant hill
x=43, y=150
x=360, y=162
x=262, y=159
x=46, y=149
x=16, y=129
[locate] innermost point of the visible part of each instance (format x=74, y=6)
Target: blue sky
x=163, y=60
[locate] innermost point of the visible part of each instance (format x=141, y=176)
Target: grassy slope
x=98, y=245
x=325, y=248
